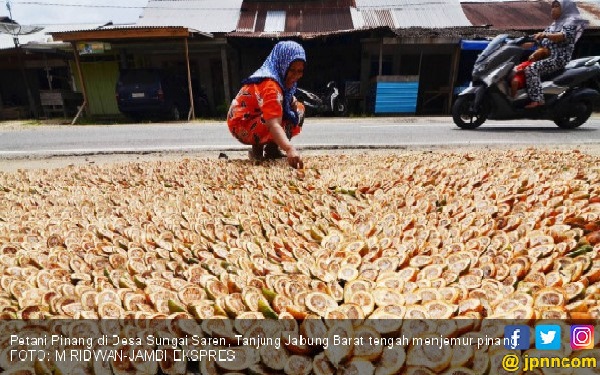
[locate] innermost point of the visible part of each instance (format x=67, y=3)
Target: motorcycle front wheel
x=575, y=116
x=462, y=115
x=340, y=108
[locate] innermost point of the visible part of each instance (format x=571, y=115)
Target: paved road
x=319, y=133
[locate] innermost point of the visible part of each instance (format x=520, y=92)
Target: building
x=399, y=56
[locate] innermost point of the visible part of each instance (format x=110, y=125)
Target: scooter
x=328, y=102
x=569, y=94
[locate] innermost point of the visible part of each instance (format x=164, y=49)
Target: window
x=275, y=21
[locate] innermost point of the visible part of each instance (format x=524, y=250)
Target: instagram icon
x=582, y=337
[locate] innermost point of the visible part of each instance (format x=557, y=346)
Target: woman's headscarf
x=275, y=67
x=569, y=15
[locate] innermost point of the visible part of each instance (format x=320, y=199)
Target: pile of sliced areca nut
x=382, y=241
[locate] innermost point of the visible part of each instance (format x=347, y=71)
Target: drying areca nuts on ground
x=358, y=246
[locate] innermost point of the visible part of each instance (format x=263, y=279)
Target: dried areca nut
x=274, y=358
x=234, y=305
x=341, y=344
x=385, y=322
x=295, y=343
x=322, y=365
x=298, y=365
x=215, y=288
x=347, y=273
x=357, y=366
x=202, y=309
x=363, y=299
x=246, y=320
x=415, y=312
x=459, y=370
x=370, y=349
x=354, y=286
x=313, y=326
x=387, y=296
x=434, y=357
x=243, y=358
x=524, y=313
x=319, y=303
x=392, y=360
x=462, y=355
x=110, y=310
x=191, y=294
x=549, y=297
x=439, y=310
x=574, y=290
x=554, y=313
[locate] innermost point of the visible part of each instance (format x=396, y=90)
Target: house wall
x=434, y=62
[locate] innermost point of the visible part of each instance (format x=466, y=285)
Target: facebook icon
x=516, y=337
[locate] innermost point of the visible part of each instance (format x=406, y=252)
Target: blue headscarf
x=275, y=67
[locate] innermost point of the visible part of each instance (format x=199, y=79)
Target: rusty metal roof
x=515, y=15
x=590, y=10
x=321, y=16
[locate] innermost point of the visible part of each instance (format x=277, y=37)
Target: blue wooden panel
x=473, y=45
x=396, y=97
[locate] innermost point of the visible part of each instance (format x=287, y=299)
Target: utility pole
x=32, y=106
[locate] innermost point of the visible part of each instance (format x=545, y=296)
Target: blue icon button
x=516, y=337
x=547, y=337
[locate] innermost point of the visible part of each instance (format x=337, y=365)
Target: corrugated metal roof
x=6, y=41
x=523, y=15
x=516, y=15
x=409, y=13
x=590, y=10
x=213, y=16
x=306, y=17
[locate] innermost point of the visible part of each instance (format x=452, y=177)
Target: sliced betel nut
x=298, y=365
x=320, y=303
x=393, y=359
x=340, y=342
x=370, y=349
x=241, y=359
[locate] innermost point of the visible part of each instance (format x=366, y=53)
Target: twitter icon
x=547, y=337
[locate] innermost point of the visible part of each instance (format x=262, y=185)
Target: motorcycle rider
x=560, y=38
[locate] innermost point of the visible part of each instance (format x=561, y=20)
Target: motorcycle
x=569, y=94
x=328, y=102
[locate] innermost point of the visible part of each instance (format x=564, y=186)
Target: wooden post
x=225, y=74
x=453, y=75
x=82, y=81
x=189, y=77
x=380, y=57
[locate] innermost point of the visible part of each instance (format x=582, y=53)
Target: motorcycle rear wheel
x=462, y=115
x=575, y=116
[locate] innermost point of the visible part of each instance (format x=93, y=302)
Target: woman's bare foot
x=256, y=153
x=272, y=151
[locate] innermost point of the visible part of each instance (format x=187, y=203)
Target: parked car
x=152, y=93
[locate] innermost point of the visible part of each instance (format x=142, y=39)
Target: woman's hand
x=279, y=137
x=540, y=36
x=293, y=158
